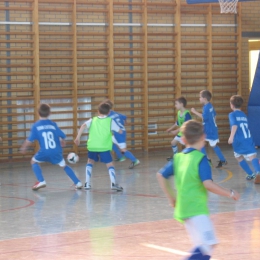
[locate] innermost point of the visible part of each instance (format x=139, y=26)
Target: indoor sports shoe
x=116, y=187
x=250, y=177
x=122, y=159
x=78, y=185
x=221, y=164
x=257, y=178
x=133, y=164
x=87, y=186
x=38, y=185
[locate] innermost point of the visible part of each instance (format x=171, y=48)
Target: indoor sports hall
x=141, y=55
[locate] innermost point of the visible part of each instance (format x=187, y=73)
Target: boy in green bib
x=183, y=115
x=100, y=143
x=193, y=179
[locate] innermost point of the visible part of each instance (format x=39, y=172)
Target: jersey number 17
x=245, y=130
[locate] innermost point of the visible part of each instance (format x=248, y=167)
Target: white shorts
x=246, y=156
x=62, y=163
x=201, y=232
x=212, y=143
x=120, y=145
x=178, y=138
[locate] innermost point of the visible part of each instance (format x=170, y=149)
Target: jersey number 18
x=49, y=140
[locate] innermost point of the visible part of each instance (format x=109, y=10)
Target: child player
x=210, y=127
x=100, y=143
x=51, y=140
x=241, y=140
x=182, y=116
x=192, y=179
x=119, y=140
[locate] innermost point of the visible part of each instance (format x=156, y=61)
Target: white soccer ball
x=72, y=158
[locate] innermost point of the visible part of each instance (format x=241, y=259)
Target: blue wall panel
x=254, y=106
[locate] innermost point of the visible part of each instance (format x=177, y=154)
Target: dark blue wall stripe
x=251, y=34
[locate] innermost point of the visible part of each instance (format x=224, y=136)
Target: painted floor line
x=169, y=250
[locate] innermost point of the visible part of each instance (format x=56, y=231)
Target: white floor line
x=169, y=250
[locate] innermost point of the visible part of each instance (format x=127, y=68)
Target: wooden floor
x=60, y=223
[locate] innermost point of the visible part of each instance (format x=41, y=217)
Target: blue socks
x=130, y=156
x=255, y=164
x=219, y=153
x=127, y=154
x=243, y=164
x=117, y=151
x=197, y=255
x=71, y=174
x=37, y=171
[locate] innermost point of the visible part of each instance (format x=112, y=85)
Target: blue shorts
x=167, y=170
x=105, y=157
x=41, y=157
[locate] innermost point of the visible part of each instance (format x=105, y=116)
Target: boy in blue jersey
x=193, y=179
x=210, y=127
x=51, y=140
x=182, y=116
x=241, y=140
x=100, y=143
x=119, y=140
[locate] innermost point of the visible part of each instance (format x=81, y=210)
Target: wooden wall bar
x=142, y=54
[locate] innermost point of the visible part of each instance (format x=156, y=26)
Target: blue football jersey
x=243, y=142
x=120, y=119
x=209, y=122
x=48, y=134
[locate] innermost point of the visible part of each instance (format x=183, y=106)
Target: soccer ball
x=72, y=158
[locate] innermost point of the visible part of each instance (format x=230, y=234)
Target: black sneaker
x=116, y=187
x=133, y=164
x=221, y=163
x=250, y=177
x=169, y=158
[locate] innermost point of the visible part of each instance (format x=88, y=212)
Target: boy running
x=241, y=140
x=210, y=127
x=193, y=178
x=182, y=116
